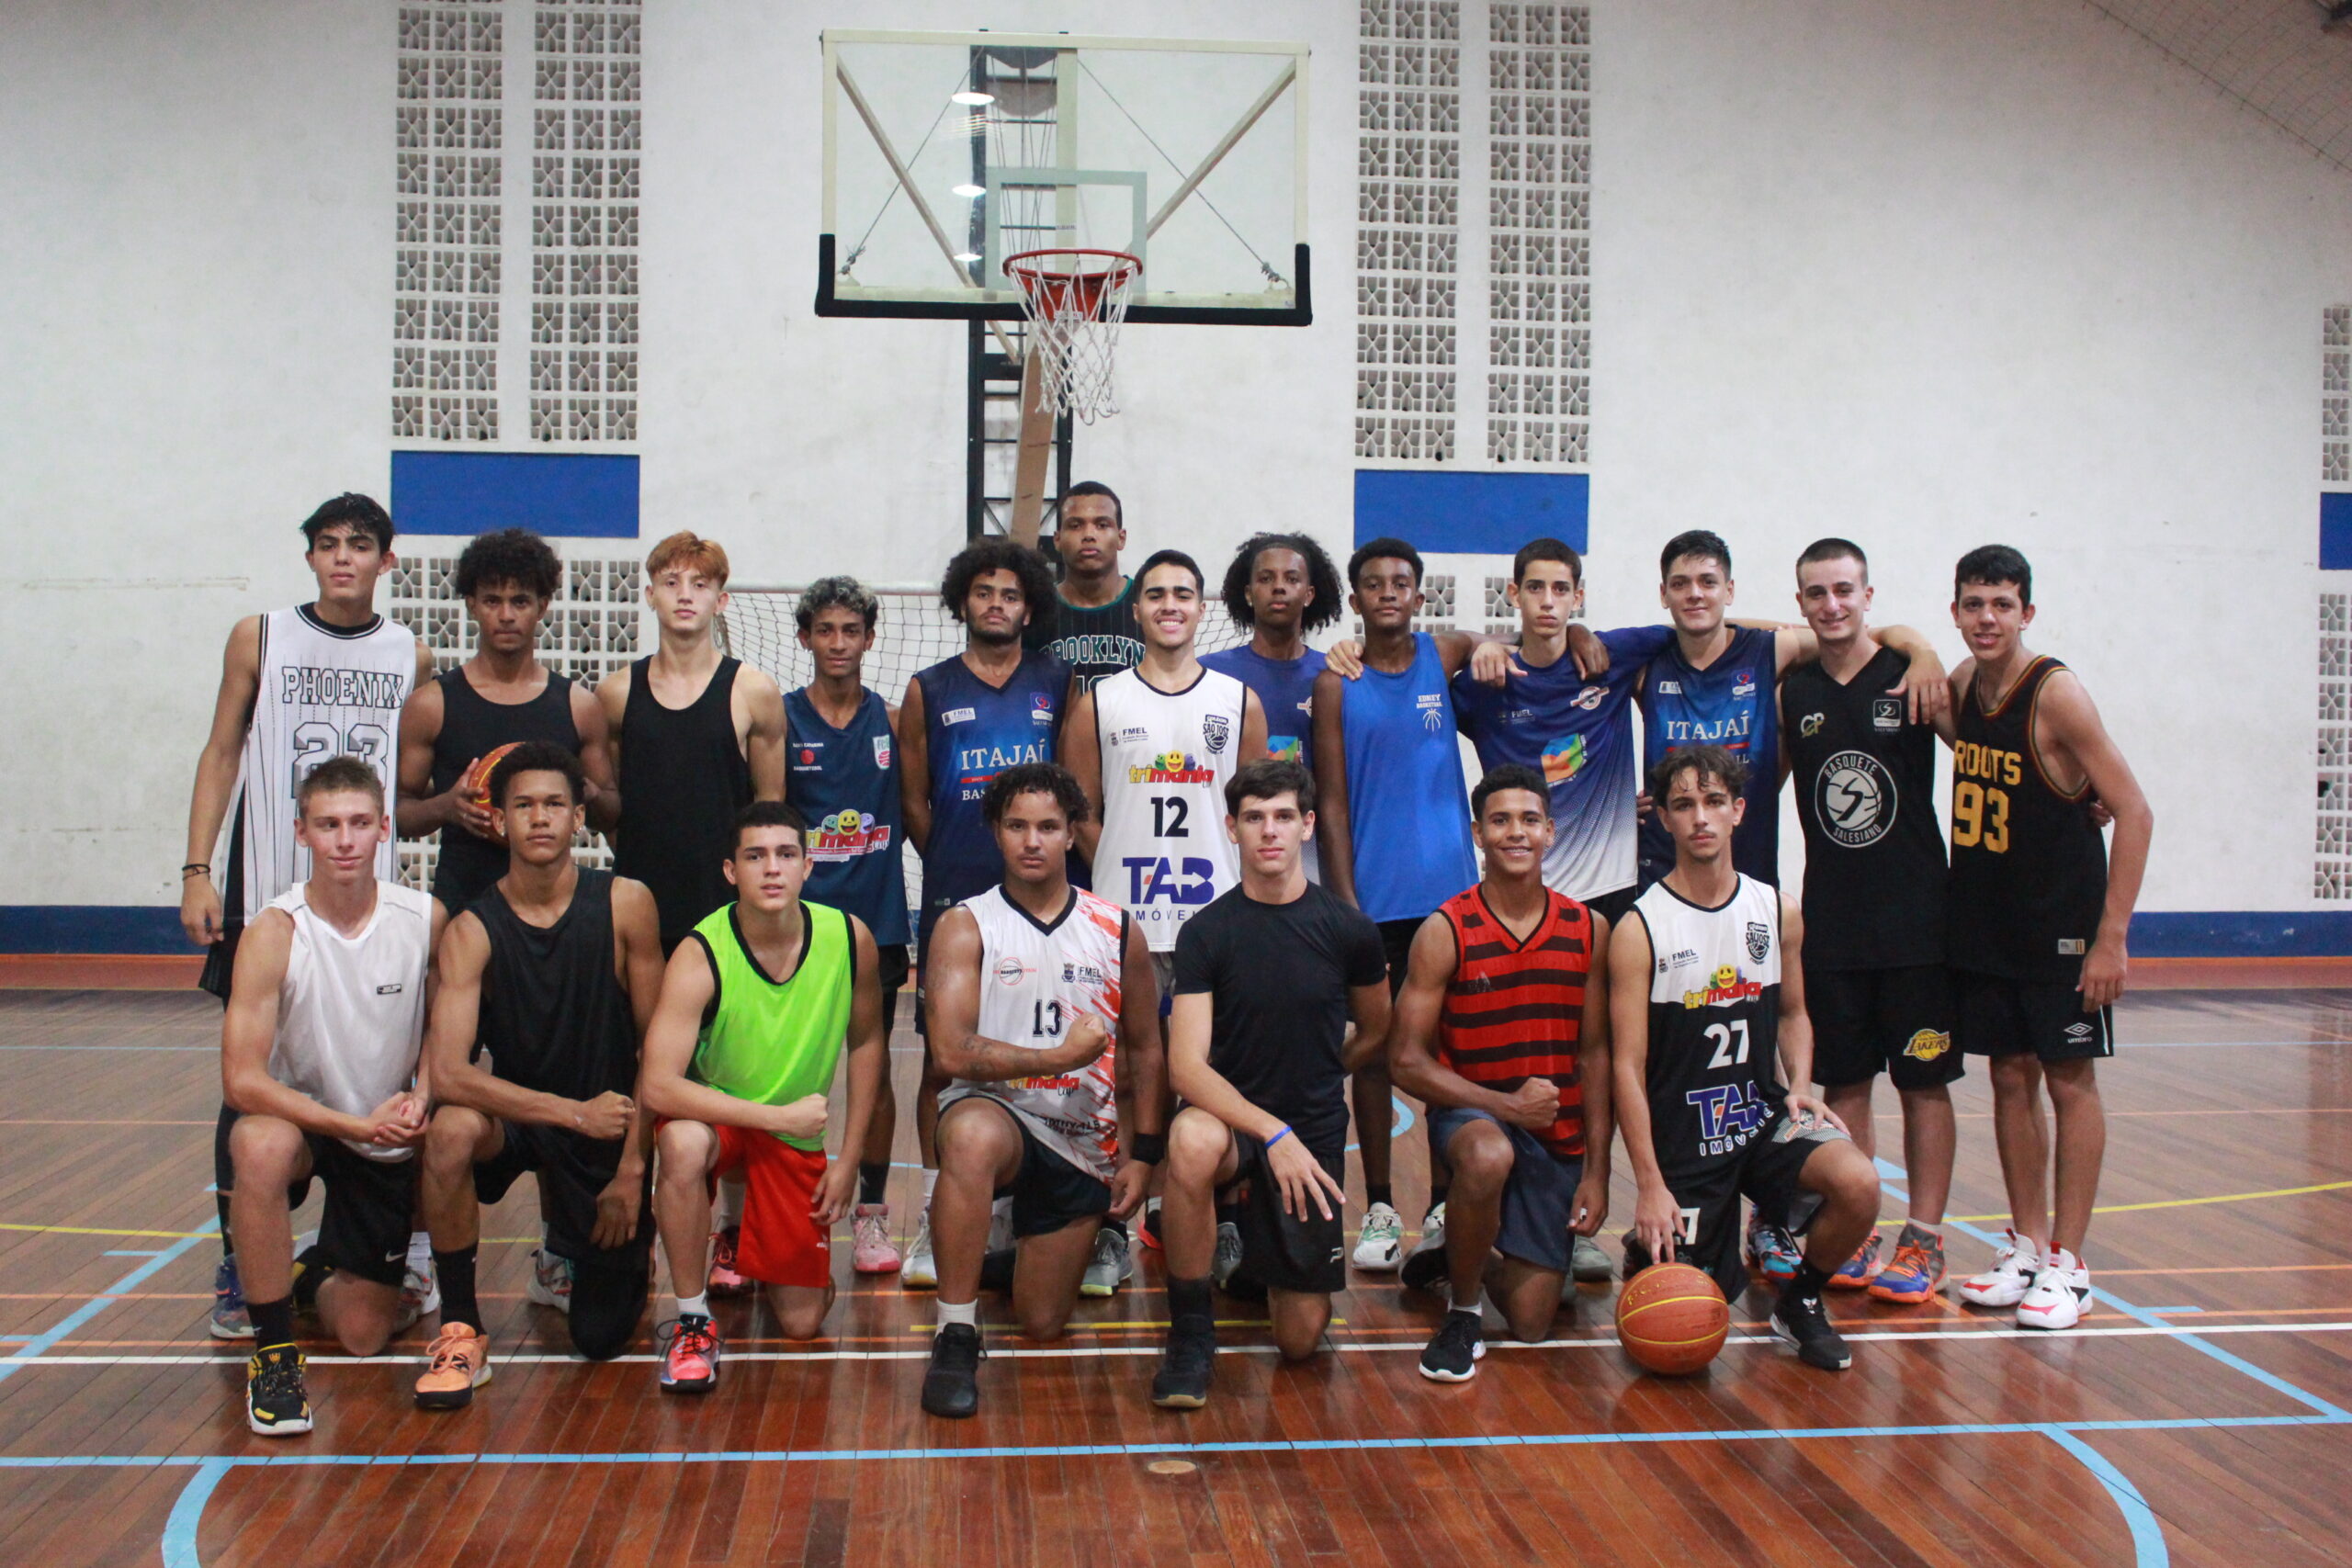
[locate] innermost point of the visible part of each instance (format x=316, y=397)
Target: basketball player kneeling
x=1707, y=996
x=1027, y=983
x=756, y=1007
x=319, y=1056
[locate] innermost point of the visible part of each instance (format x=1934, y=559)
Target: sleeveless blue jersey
x=846, y=783
x=1729, y=703
x=976, y=732
x=1285, y=689
x=1408, y=815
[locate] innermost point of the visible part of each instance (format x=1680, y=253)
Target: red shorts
x=782, y=1244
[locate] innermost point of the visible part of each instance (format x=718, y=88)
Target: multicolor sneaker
x=550, y=1282
x=419, y=1295
x=460, y=1358
x=1149, y=1229
x=2005, y=1283
x=230, y=1320
x=277, y=1404
x=1772, y=1251
x=1857, y=1271
x=1113, y=1265
x=919, y=1272
x=2058, y=1294
x=726, y=1280
x=1425, y=1264
x=1380, y=1245
x=1917, y=1271
x=872, y=1250
x=689, y=1350
x=1227, y=1259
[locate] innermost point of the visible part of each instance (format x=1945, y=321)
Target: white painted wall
x=1928, y=275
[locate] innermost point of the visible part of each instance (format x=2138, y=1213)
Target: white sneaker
x=550, y=1282
x=919, y=1272
x=1000, y=1225
x=2056, y=1298
x=1380, y=1245
x=2005, y=1284
x=1229, y=1254
x=1113, y=1264
x=419, y=1295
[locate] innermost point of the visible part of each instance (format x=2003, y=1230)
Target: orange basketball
x=476, y=785
x=1671, y=1318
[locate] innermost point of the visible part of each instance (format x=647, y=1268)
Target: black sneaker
x=1801, y=1321
x=1424, y=1269
x=1182, y=1380
x=277, y=1404
x=952, y=1386
x=1453, y=1356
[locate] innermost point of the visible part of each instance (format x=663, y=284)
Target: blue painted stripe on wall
x=2335, y=531
x=563, y=494
x=2314, y=933
x=1470, y=513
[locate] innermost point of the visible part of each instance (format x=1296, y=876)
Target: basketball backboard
x=947, y=152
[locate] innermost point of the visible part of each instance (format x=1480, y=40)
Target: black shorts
x=224, y=1169
x=1612, y=907
x=1768, y=1171
x=1396, y=941
x=370, y=1210
x=1048, y=1193
x=221, y=960
x=1279, y=1251
x=892, y=968
x=2000, y=1017
x=1868, y=1019
x=571, y=1170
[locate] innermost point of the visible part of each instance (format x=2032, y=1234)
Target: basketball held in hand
x=474, y=787
x=1672, y=1319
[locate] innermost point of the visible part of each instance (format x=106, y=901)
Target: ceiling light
x=967, y=255
x=971, y=98
x=969, y=190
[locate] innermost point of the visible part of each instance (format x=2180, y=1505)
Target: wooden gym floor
x=2198, y=1417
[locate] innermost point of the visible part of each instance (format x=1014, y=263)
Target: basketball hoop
x=1075, y=300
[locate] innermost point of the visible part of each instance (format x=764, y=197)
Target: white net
x=1076, y=300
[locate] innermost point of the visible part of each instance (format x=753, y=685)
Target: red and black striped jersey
x=1513, y=1010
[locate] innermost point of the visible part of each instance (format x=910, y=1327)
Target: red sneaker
x=724, y=1280
x=689, y=1348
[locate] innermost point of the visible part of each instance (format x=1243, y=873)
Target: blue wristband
x=1278, y=1137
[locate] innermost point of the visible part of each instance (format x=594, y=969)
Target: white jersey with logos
x=1036, y=980
x=1166, y=758
x=351, y=1009
x=324, y=692
x=1714, y=1075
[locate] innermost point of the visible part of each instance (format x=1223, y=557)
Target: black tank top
x=1096, y=641
x=472, y=726
x=1865, y=790
x=554, y=1017
x=683, y=780
x=2029, y=870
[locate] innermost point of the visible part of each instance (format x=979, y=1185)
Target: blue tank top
x=1729, y=703
x=976, y=732
x=1408, y=816
x=1285, y=689
x=846, y=783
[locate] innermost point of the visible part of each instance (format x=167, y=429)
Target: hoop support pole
x=1037, y=445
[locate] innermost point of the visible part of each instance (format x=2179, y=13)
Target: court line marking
x=2147, y=1535
x=2163, y=1204
x=27, y=1353
x=188, y=1513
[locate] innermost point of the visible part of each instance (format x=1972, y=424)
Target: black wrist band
x=202, y=865
x=1149, y=1148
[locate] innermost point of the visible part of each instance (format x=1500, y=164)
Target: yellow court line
x=2177, y=1202
x=97, y=1230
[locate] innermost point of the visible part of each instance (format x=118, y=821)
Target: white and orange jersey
x=1036, y=981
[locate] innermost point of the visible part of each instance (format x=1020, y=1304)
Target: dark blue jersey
x=1729, y=703
x=976, y=732
x=1285, y=689
x=845, y=782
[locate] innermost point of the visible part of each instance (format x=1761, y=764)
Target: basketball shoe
x=1380, y=1245
x=1917, y=1271
x=872, y=1250
x=726, y=1280
x=919, y=1272
x=1857, y=1271
x=460, y=1364
x=2011, y=1276
x=277, y=1404
x=2058, y=1294
x=689, y=1350
x=228, y=1320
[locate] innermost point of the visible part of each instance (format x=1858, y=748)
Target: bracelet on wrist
x=196, y=868
x=1278, y=1137
x=1149, y=1148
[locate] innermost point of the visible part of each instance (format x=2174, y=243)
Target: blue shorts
x=1540, y=1199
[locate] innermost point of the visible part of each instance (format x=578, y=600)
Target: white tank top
x=1166, y=758
x=1035, y=982
x=351, y=1012
x=324, y=692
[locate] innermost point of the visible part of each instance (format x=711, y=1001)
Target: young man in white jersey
x=298, y=686
x=1153, y=747
x=320, y=1057
x=1707, y=1018
x=1032, y=982
x=758, y=1006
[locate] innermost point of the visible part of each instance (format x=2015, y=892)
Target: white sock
x=966, y=1313
x=694, y=1306
x=1471, y=1303
x=420, y=1251
x=930, y=1181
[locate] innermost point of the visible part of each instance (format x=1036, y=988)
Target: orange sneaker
x=725, y=1278
x=460, y=1364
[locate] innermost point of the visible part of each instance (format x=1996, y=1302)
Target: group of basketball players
x=1158, y=955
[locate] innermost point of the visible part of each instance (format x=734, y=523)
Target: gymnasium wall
x=1923, y=275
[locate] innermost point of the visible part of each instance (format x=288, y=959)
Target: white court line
x=1075, y=1352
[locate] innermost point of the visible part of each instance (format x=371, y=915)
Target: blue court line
x=133, y=1252
x=2147, y=1536
x=188, y=1512
x=40, y=1343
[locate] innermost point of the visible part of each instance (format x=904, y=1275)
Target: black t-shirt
x=1865, y=786
x=1280, y=974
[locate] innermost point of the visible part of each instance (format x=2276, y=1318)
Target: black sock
x=1229, y=1213
x=1807, y=1282
x=1118, y=1225
x=1188, y=1305
x=873, y=1180
x=1437, y=1194
x=228, y=1240
x=455, y=1271
x=1379, y=1193
x=273, y=1321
